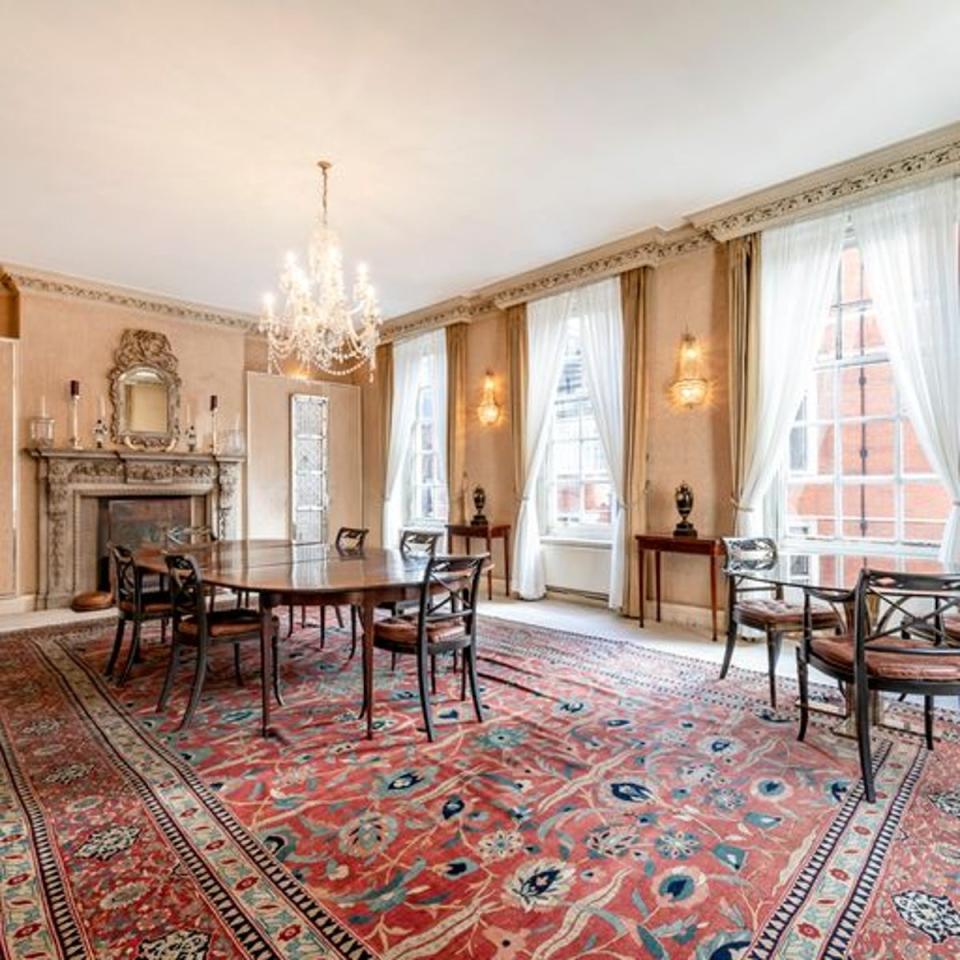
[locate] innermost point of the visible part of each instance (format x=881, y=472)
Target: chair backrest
x=419, y=542
x=186, y=587
x=126, y=575
x=187, y=536
x=749, y=553
x=350, y=539
x=904, y=606
x=450, y=590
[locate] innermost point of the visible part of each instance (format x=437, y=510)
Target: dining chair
x=201, y=629
x=196, y=535
x=349, y=540
x=445, y=622
x=135, y=605
x=414, y=543
x=761, y=606
x=900, y=641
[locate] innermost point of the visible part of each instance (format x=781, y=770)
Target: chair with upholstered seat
x=900, y=641
x=761, y=606
x=445, y=622
x=135, y=605
x=197, y=627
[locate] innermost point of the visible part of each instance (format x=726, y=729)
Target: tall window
x=578, y=489
x=427, y=486
x=855, y=475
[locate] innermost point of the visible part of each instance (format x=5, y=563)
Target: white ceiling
x=170, y=146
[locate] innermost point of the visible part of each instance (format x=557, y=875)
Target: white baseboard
x=685, y=615
x=25, y=603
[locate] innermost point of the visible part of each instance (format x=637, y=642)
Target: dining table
x=285, y=572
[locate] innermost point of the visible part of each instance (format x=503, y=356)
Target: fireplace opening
x=136, y=520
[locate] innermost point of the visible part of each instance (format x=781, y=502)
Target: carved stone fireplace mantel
x=69, y=479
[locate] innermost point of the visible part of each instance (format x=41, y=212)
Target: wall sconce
x=488, y=412
x=690, y=387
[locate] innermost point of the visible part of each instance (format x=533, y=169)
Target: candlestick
x=236, y=424
x=75, y=417
x=214, y=402
x=74, y=388
x=214, y=444
x=43, y=405
x=189, y=414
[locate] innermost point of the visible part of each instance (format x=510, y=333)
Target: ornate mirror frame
x=144, y=350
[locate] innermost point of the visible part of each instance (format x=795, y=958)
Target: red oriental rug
x=616, y=803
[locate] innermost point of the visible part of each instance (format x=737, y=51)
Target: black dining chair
x=200, y=629
x=760, y=606
x=899, y=641
x=445, y=622
x=136, y=606
x=349, y=540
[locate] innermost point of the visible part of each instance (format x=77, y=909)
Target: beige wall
x=689, y=293
x=268, y=467
x=8, y=467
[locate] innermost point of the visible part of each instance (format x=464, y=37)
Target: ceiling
x=170, y=146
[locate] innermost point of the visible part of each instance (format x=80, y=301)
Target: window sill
x=561, y=541
x=847, y=549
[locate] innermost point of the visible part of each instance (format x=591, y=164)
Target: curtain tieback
x=956, y=503
x=739, y=505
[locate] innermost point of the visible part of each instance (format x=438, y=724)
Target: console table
x=488, y=532
x=657, y=543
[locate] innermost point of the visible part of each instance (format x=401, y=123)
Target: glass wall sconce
x=690, y=387
x=489, y=410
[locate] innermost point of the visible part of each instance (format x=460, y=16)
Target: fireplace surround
x=73, y=483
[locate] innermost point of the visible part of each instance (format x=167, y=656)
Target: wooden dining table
x=284, y=573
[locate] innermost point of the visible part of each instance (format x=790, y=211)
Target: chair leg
x=455, y=661
x=303, y=616
x=728, y=653
x=172, y=665
x=132, y=655
x=862, y=707
x=198, y=679
x=236, y=664
x=323, y=626
x=290, y=628
x=804, y=704
x=433, y=675
x=117, y=645
x=928, y=721
x=463, y=677
x=774, y=643
x=278, y=696
x=336, y=610
x=163, y=630
x=393, y=662
x=470, y=660
x=424, y=693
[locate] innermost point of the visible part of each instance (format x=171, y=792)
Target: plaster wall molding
x=22, y=278
x=933, y=154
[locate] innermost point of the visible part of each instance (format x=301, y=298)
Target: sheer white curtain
x=436, y=348
x=799, y=270
x=407, y=359
x=601, y=337
x=546, y=338
x=910, y=255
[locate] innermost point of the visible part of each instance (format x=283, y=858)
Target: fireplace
x=132, y=520
x=89, y=497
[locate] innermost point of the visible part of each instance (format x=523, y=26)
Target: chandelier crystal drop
x=315, y=323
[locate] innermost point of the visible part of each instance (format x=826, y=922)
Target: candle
x=74, y=388
x=214, y=402
x=236, y=424
x=101, y=407
x=43, y=405
x=189, y=415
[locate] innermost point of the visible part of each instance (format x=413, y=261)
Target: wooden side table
x=657, y=543
x=488, y=533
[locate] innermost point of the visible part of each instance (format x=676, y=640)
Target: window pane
x=868, y=511
x=868, y=448
x=850, y=273
x=819, y=403
x=914, y=459
x=874, y=397
x=597, y=502
x=828, y=342
x=426, y=404
x=567, y=499
x=428, y=466
x=810, y=508
x=566, y=459
x=594, y=459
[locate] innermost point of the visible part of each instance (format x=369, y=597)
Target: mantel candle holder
x=41, y=432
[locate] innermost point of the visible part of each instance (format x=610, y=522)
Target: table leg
x=713, y=594
x=369, y=611
x=266, y=661
x=641, y=582
x=506, y=563
x=656, y=573
x=490, y=571
x=449, y=541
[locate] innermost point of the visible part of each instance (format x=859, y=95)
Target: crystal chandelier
x=316, y=324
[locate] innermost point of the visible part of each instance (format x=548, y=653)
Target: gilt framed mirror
x=145, y=392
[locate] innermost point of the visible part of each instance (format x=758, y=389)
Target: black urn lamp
x=479, y=502
x=683, y=496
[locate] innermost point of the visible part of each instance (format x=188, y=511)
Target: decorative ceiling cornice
x=26, y=278
x=932, y=154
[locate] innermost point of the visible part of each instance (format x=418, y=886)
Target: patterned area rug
x=616, y=803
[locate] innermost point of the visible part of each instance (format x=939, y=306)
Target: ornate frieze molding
x=933, y=154
x=66, y=476
x=25, y=278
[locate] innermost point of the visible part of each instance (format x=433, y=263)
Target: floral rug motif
x=615, y=803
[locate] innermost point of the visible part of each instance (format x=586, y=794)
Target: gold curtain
x=456, y=418
x=383, y=384
x=743, y=295
x=634, y=295
x=517, y=373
